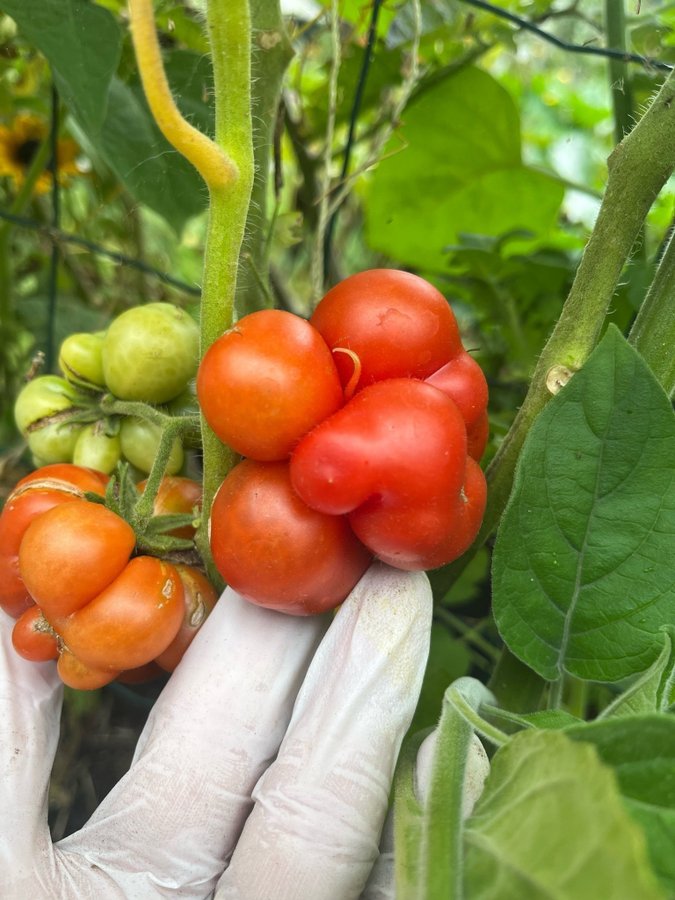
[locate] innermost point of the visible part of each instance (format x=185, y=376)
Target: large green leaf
x=582, y=570
x=456, y=167
x=152, y=171
x=641, y=750
x=550, y=825
x=82, y=43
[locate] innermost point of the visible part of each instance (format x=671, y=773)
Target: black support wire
x=588, y=49
x=64, y=237
x=353, y=118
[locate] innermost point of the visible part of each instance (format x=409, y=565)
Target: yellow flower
x=20, y=142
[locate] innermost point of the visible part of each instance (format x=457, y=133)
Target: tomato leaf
x=145, y=162
x=82, y=42
x=582, y=571
x=551, y=824
x=456, y=167
x=641, y=751
x=651, y=692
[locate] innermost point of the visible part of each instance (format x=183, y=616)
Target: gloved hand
x=263, y=772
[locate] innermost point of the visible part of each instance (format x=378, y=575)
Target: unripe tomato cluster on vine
x=359, y=432
x=148, y=354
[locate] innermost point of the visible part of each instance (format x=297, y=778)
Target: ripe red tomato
x=131, y=621
x=71, y=553
x=274, y=550
x=76, y=674
x=33, y=637
x=267, y=382
x=394, y=460
x=38, y=492
x=462, y=379
x=177, y=495
x=397, y=323
x=477, y=437
x=200, y=598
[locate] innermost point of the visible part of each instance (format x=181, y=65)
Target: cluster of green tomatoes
x=148, y=354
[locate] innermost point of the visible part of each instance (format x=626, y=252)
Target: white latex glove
x=269, y=755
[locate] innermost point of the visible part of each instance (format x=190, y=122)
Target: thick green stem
x=619, y=77
x=442, y=845
x=271, y=53
x=638, y=169
x=229, y=27
x=653, y=332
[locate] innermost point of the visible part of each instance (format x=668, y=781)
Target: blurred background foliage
x=471, y=151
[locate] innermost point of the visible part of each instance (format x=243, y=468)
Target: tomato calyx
x=153, y=531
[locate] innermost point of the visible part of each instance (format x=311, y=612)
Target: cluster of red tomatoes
x=361, y=430
x=68, y=576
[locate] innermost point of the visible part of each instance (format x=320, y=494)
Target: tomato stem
x=653, y=332
x=216, y=168
x=229, y=28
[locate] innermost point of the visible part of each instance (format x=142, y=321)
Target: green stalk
x=620, y=82
x=271, y=53
x=441, y=875
x=638, y=169
x=229, y=27
x=653, y=332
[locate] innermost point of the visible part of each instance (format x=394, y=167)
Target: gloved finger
x=170, y=824
x=30, y=708
x=319, y=808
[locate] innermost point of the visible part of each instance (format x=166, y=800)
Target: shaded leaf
x=82, y=43
x=641, y=750
x=152, y=171
x=448, y=660
x=651, y=691
x=516, y=847
x=456, y=167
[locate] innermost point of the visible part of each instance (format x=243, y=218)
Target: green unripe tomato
x=150, y=353
x=96, y=449
x=81, y=359
x=139, y=441
x=54, y=443
x=44, y=397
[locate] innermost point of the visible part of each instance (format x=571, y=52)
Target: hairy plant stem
x=620, y=81
x=271, y=52
x=638, y=169
x=653, y=332
x=226, y=165
x=229, y=28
